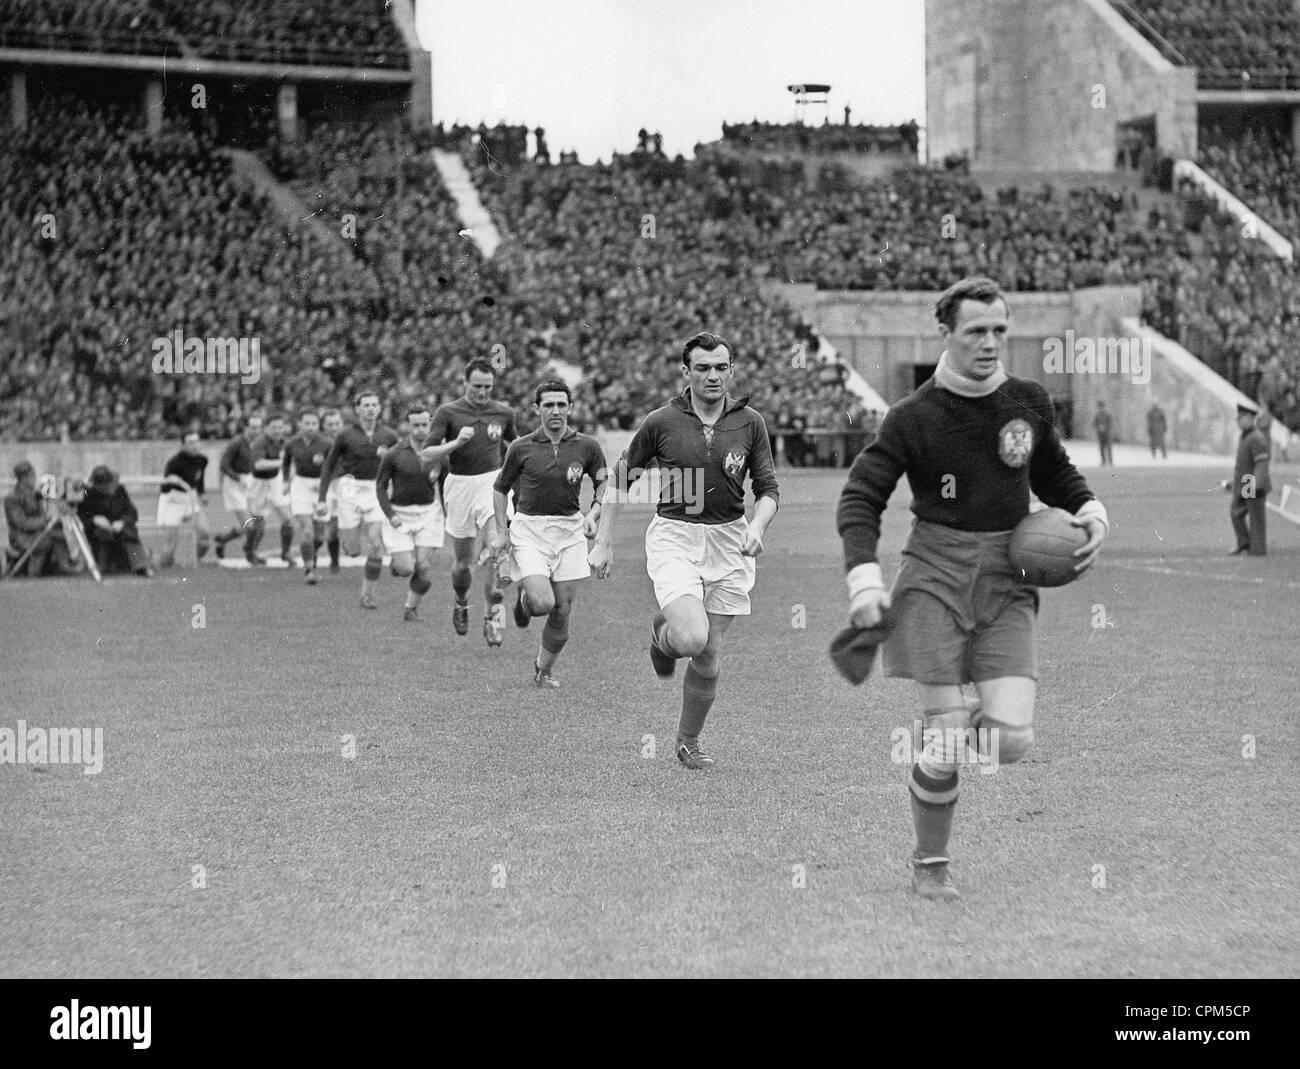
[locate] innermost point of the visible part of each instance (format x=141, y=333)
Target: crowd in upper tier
x=331, y=32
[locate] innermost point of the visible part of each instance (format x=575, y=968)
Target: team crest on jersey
x=494, y=431
x=575, y=474
x=1015, y=443
x=734, y=464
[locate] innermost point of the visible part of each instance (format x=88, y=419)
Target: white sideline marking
x=1158, y=570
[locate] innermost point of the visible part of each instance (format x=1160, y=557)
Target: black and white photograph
x=598, y=489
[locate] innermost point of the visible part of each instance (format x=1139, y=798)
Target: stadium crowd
x=1234, y=44
x=113, y=240
x=828, y=137
x=337, y=32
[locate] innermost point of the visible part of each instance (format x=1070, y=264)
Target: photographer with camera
x=109, y=518
x=30, y=530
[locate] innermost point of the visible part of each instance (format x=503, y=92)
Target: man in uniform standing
x=1250, y=486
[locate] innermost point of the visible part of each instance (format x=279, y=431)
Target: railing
x=142, y=44
x=251, y=51
x=1150, y=33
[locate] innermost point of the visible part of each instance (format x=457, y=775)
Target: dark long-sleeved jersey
x=264, y=447
x=494, y=429
x=971, y=463
x=703, y=469
x=408, y=475
x=237, y=458
x=306, y=454
x=356, y=453
x=184, y=471
x=547, y=476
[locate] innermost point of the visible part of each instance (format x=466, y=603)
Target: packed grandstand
x=111, y=236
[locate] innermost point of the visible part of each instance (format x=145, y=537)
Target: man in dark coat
x=110, y=518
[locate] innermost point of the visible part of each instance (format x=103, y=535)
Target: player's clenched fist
x=753, y=544
x=466, y=433
x=868, y=606
x=322, y=512
x=601, y=559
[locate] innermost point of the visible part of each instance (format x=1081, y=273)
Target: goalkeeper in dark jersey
x=973, y=442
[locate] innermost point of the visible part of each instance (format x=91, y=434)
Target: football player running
x=467, y=491
x=700, y=549
x=972, y=441
x=354, y=460
x=547, y=539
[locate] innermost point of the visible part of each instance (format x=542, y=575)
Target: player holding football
x=182, y=497
x=699, y=549
x=408, y=498
x=467, y=490
x=973, y=442
x=548, y=538
x=354, y=460
x=304, y=455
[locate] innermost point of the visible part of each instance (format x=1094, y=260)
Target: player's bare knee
x=946, y=739
x=402, y=569
x=1006, y=743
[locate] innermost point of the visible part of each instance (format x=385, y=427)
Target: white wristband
x=1094, y=508
x=864, y=577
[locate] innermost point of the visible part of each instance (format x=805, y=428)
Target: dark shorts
x=962, y=614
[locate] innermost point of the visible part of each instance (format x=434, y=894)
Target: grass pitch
x=301, y=788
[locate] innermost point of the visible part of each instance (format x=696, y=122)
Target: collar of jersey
x=731, y=404
x=539, y=435
x=946, y=377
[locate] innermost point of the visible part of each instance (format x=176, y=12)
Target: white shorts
x=175, y=507
x=703, y=560
x=421, y=527
x=469, y=503
x=268, y=495
x=357, y=503
x=234, y=493
x=302, y=495
x=332, y=498
x=553, y=546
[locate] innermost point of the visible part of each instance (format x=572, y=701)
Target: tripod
x=70, y=527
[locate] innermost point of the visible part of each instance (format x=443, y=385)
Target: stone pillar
x=286, y=110
x=153, y=106
x=18, y=99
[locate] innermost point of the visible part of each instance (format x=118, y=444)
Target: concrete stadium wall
x=885, y=335
x=1017, y=84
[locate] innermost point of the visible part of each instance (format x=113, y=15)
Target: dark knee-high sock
x=370, y=574
x=554, y=636
x=460, y=584
x=227, y=536
x=308, y=549
x=698, y=692
x=253, y=535
x=934, y=804
x=332, y=541
x=286, y=538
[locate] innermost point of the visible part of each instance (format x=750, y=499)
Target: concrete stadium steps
x=284, y=201
x=473, y=213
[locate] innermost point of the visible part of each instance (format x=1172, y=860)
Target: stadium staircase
x=285, y=202
x=473, y=213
